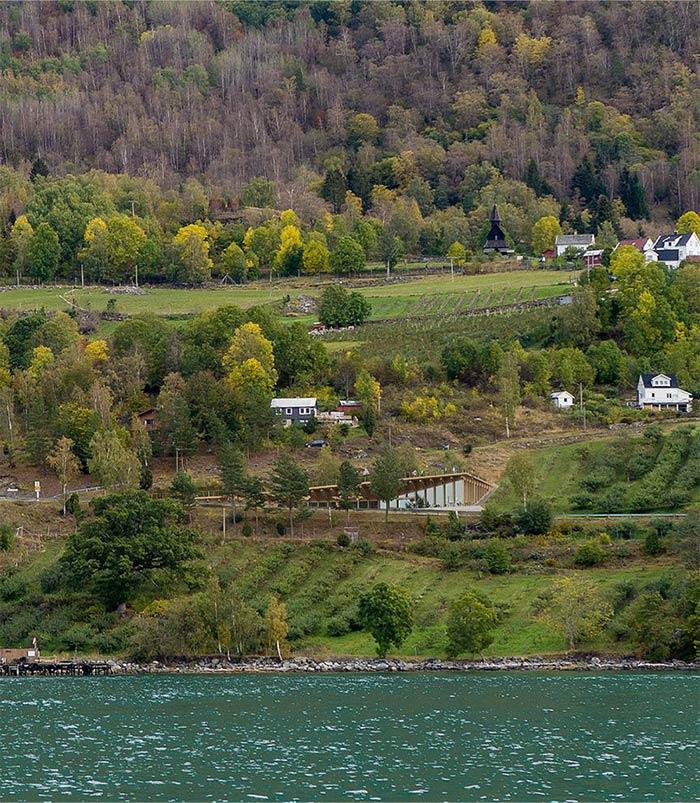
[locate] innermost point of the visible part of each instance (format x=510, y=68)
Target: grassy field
x=391, y=299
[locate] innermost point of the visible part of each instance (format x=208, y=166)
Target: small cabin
x=562, y=399
x=149, y=419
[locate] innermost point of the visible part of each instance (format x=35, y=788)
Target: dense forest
x=426, y=112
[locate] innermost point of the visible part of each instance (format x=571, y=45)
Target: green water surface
x=496, y=736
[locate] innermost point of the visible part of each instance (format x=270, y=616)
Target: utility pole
x=452, y=268
x=582, y=406
x=177, y=460
x=136, y=268
x=82, y=275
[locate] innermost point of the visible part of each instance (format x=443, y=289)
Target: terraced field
x=433, y=295
x=446, y=304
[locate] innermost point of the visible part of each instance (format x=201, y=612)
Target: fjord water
x=501, y=736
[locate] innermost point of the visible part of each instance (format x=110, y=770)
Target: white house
x=295, y=410
x=674, y=248
x=661, y=392
x=581, y=242
x=562, y=399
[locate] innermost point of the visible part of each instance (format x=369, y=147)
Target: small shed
x=562, y=399
x=149, y=419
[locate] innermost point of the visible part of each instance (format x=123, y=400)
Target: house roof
x=667, y=254
x=559, y=393
x=293, y=401
x=672, y=241
x=575, y=239
x=646, y=379
x=638, y=244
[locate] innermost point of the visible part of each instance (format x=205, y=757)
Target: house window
x=669, y=395
x=303, y=411
x=653, y=395
x=290, y=410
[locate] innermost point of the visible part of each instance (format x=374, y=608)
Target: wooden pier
x=55, y=668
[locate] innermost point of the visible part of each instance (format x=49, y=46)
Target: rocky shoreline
x=357, y=665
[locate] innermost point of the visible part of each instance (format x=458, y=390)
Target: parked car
x=315, y=444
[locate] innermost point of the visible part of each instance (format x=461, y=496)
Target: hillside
x=433, y=100
x=321, y=583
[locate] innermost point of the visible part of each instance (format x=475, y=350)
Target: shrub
x=343, y=539
x=622, y=594
x=281, y=528
x=537, y=518
x=339, y=625
x=624, y=530
x=653, y=544
x=12, y=588
x=364, y=547
x=494, y=522
x=497, y=558
x=589, y=554
x=247, y=529
x=304, y=624
x=51, y=579
x=73, y=507
x=7, y=537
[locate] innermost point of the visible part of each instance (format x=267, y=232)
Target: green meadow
x=404, y=297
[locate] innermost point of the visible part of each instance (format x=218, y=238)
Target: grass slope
x=558, y=470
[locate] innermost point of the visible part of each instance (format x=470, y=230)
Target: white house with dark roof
x=295, y=409
x=672, y=249
x=661, y=392
x=581, y=242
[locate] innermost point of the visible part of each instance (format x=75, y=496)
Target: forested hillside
x=427, y=112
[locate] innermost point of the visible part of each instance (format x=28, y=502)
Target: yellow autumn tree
x=191, y=245
x=42, y=358
x=249, y=343
x=97, y=351
x=251, y=379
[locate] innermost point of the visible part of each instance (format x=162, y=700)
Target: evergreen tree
x=335, y=184
x=534, y=180
x=632, y=195
x=234, y=476
x=39, y=168
x=586, y=181
x=289, y=484
x=38, y=440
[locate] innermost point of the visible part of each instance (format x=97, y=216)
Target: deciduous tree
x=577, y=609
x=132, y=538
x=387, y=612
x=471, y=620
x=64, y=462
